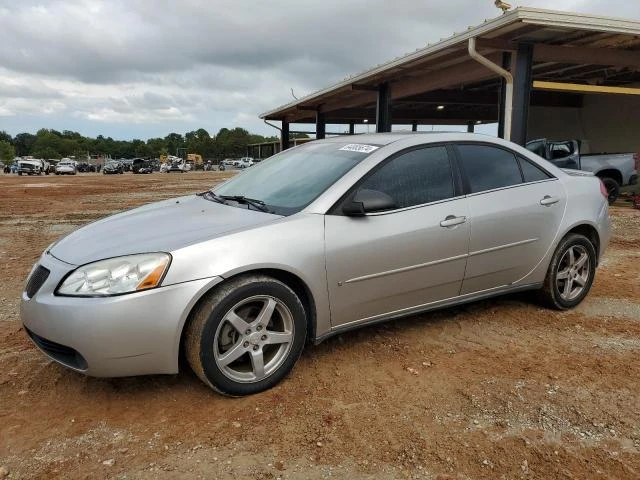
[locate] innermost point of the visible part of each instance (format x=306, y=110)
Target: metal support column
x=470, y=127
x=284, y=136
x=321, y=125
x=521, y=93
x=506, y=64
x=383, y=108
x=352, y=128
x=414, y=126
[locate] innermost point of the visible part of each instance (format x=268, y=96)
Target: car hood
x=163, y=226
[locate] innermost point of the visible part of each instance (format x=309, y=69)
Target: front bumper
x=133, y=334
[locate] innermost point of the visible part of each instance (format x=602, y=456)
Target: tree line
x=52, y=144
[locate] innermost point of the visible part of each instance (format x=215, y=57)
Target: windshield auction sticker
x=357, y=147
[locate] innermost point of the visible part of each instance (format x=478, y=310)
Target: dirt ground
x=496, y=389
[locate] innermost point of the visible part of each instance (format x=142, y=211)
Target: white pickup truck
x=614, y=169
x=33, y=166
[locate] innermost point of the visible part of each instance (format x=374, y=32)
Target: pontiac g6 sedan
x=319, y=239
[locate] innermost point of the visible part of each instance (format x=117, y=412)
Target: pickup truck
x=33, y=166
x=614, y=169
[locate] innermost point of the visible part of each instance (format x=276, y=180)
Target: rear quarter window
x=531, y=172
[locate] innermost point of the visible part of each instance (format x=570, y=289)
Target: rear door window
x=487, y=167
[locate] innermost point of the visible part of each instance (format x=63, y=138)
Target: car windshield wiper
x=259, y=204
x=209, y=195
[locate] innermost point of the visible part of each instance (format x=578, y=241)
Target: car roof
x=391, y=137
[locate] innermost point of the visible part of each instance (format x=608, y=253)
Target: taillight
x=636, y=157
x=603, y=190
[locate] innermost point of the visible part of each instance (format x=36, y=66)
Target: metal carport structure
x=555, y=61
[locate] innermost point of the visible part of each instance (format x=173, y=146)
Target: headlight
x=116, y=276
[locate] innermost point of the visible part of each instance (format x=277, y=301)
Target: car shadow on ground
x=150, y=386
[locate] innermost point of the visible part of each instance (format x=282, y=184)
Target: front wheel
x=246, y=336
x=570, y=274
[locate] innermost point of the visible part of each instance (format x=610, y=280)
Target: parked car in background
x=112, y=167
x=334, y=235
x=614, y=169
x=127, y=164
x=141, y=165
x=85, y=167
x=32, y=166
x=178, y=165
x=66, y=166
x=244, y=162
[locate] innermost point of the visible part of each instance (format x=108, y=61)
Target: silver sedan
x=319, y=239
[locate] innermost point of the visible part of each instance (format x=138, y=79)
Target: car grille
x=27, y=166
x=36, y=280
x=61, y=353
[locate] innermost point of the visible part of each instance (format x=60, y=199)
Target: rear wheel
x=613, y=188
x=246, y=336
x=570, y=273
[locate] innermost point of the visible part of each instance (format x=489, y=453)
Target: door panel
x=511, y=231
x=382, y=263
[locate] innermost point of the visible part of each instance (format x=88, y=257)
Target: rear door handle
x=547, y=200
x=452, y=221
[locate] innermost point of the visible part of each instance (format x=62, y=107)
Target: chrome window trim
x=413, y=207
x=510, y=187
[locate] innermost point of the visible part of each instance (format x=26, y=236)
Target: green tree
x=5, y=137
x=174, y=141
x=7, y=152
x=157, y=146
x=24, y=143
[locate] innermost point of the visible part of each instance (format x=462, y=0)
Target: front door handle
x=452, y=221
x=547, y=200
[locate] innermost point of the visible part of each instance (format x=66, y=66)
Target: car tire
x=613, y=188
x=570, y=274
x=235, y=362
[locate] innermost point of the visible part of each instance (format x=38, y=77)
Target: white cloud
x=142, y=67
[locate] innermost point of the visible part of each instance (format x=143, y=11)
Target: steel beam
x=581, y=88
x=586, y=56
x=383, y=108
x=321, y=125
x=464, y=72
x=521, y=93
x=284, y=136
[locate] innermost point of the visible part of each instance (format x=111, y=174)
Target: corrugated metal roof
x=556, y=27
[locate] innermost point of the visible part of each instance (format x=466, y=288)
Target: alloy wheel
x=253, y=339
x=573, y=272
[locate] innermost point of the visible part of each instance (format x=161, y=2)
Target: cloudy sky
x=143, y=68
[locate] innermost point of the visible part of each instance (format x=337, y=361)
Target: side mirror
x=367, y=201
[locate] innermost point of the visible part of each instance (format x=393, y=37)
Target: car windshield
x=291, y=180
